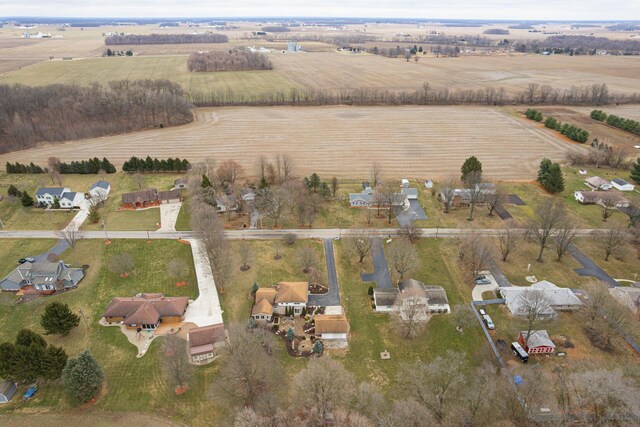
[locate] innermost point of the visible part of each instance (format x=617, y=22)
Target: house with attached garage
x=560, y=299
x=598, y=184
x=263, y=308
x=146, y=311
x=604, y=198
x=284, y=299
x=384, y=299
x=42, y=277
x=370, y=198
x=432, y=298
x=100, y=190
x=47, y=196
x=71, y=199
x=622, y=185
x=206, y=342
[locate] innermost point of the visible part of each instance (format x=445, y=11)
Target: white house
x=46, y=196
x=384, y=299
x=180, y=183
x=604, y=198
x=100, y=190
x=561, y=299
x=622, y=185
x=71, y=199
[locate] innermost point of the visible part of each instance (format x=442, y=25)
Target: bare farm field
x=342, y=141
x=341, y=70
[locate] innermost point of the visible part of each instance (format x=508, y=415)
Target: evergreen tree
x=554, y=183
x=82, y=377
x=206, y=183
x=290, y=334
x=56, y=203
x=27, y=200
x=54, y=362
x=254, y=288
x=635, y=171
x=13, y=191
x=543, y=171
x=472, y=164
x=94, y=214
x=263, y=184
x=58, y=319
x=318, y=347
x=27, y=337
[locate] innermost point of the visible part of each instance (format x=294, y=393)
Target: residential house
x=370, y=198
x=205, y=342
x=71, y=199
x=226, y=203
x=436, y=297
x=539, y=342
x=46, y=196
x=560, y=299
x=180, y=183
x=332, y=329
x=384, y=299
x=100, y=190
x=248, y=194
x=150, y=197
x=362, y=199
x=598, y=184
x=7, y=390
x=462, y=196
x=286, y=296
x=627, y=296
x=43, y=277
x=146, y=311
x=604, y=198
x=410, y=193
x=622, y=185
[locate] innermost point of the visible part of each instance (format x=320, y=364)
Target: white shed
x=622, y=185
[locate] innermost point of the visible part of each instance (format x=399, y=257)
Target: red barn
x=539, y=342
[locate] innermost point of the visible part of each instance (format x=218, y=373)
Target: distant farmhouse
x=42, y=277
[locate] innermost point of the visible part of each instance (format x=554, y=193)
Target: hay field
x=341, y=70
x=409, y=142
x=173, y=68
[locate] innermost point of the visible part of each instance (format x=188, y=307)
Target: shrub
x=290, y=238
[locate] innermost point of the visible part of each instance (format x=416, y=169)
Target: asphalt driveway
x=590, y=268
x=333, y=296
x=414, y=213
x=380, y=274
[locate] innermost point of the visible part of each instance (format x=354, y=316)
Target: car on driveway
x=482, y=312
x=483, y=280
x=31, y=391
x=26, y=259
x=487, y=321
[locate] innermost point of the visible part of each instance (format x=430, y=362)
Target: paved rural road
x=590, y=268
x=333, y=296
x=320, y=233
x=380, y=273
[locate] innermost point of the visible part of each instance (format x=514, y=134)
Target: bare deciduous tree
x=403, y=257
x=245, y=252
x=494, y=199
x=411, y=313
x=307, y=258
x=177, y=269
x=262, y=164
x=139, y=180
x=175, y=362
x=435, y=385
x=72, y=235
x=613, y=239
x=608, y=208
x=230, y=172
x=271, y=203
x=448, y=193
x=508, y=239
x=542, y=228
x=565, y=235
x=535, y=308
x=334, y=187
x=121, y=264
x=476, y=190
x=603, y=318
x=393, y=200
x=411, y=232
x=359, y=244
x=475, y=254
x=376, y=174
x=606, y=394
x=323, y=386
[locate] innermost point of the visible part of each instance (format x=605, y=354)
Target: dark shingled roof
x=146, y=195
x=147, y=308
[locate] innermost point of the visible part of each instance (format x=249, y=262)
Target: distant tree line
x=85, y=167
x=20, y=168
x=29, y=115
x=233, y=60
x=596, y=94
x=276, y=29
x=496, y=31
x=573, y=132
x=135, y=164
x=110, y=52
x=580, y=45
x=138, y=39
x=628, y=125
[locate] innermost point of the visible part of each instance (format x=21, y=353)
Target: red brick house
x=150, y=197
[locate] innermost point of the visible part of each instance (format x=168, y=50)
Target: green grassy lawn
x=622, y=264
x=11, y=250
x=245, y=83
x=132, y=384
x=183, y=223
x=371, y=332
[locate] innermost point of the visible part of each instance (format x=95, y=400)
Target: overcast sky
x=443, y=9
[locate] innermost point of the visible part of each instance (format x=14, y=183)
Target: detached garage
x=539, y=342
x=7, y=390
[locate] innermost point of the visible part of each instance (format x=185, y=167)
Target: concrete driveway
x=413, y=213
x=380, y=273
x=169, y=215
x=80, y=217
x=205, y=310
x=476, y=294
x=331, y=298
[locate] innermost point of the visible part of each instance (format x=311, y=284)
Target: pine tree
x=318, y=347
x=635, y=171
x=254, y=288
x=54, y=362
x=82, y=377
x=206, y=183
x=58, y=319
x=472, y=164
x=555, y=180
x=543, y=171
x=27, y=200
x=94, y=214
x=290, y=334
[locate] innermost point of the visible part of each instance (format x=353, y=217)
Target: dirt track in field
x=412, y=142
